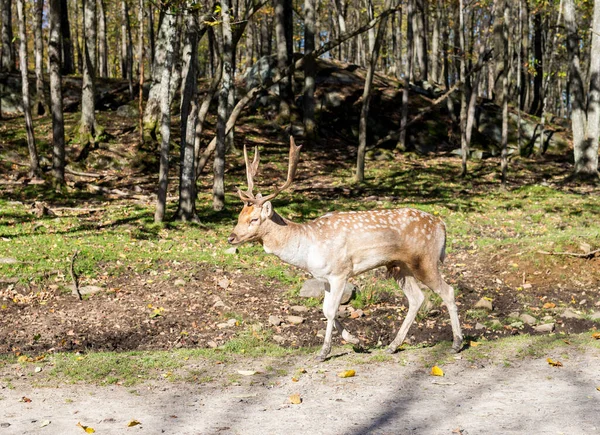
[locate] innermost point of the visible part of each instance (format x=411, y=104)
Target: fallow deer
x=337, y=246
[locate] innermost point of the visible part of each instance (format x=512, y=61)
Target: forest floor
x=175, y=332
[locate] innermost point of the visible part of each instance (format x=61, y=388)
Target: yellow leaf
x=133, y=423
x=87, y=429
x=598, y=388
x=295, y=379
x=473, y=343
x=548, y=305
x=554, y=363
x=23, y=358
x=596, y=335
x=436, y=371
x=346, y=374
x=295, y=399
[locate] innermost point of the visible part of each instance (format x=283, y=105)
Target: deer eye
x=252, y=221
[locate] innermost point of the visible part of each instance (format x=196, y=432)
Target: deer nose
x=232, y=238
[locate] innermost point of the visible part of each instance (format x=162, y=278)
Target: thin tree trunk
x=34, y=163
x=189, y=115
x=408, y=75
x=68, y=66
x=226, y=85
x=88, y=94
x=165, y=109
x=40, y=93
x=79, y=61
x=282, y=10
x=464, y=146
x=366, y=98
x=309, y=70
x=7, y=54
x=127, y=41
x=152, y=110
x=58, y=127
x=141, y=73
x=102, y=41
x=505, y=80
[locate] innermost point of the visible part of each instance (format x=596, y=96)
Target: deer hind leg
x=415, y=297
x=436, y=283
x=331, y=304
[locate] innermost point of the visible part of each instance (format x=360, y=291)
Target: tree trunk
x=102, y=41
x=225, y=42
x=464, y=145
x=40, y=93
x=126, y=47
x=588, y=164
x=152, y=111
x=420, y=40
x=576, y=86
x=7, y=55
x=58, y=126
x=309, y=70
x=435, y=76
x=141, y=73
x=408, y=75
x=79, y=61
x=538, y=64
x=366, y=97
x=34, y=164
x=68, y=66
x=165, y=110
x=504, y=96
x=283, y=10
x=88, y=94
x=189, y=115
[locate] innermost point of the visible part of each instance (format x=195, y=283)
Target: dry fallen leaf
x=596, y=335
x=473, y=343
x=133, y=423
x=87, y=429
x=554, y=363
x=346, y=374
x=436, y=371
x=25, y=399
x=548, y=305
x=295, y=399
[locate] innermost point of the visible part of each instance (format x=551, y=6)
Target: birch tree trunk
x=141, y=73
x=40, y=93
x=464, y=145
x=226, y=85
x=165, y=111
x=189, y=116
x=34, y=163
x=152, y=110
x=58, y=126
x=505, y=79
x=102, y=41
x=366, y=97
x=88, y=94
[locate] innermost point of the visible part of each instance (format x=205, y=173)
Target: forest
x=183, y=63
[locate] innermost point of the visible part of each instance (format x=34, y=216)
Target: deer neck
x=286, y=239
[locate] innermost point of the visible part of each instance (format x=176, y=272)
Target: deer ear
x=266, y=211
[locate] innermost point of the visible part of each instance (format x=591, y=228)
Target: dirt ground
x=398, y=396
x=195, y=314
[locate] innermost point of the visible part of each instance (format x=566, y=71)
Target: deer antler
x=251, y=170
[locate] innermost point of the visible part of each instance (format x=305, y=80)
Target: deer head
x=257, y=208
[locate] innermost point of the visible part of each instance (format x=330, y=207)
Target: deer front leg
x=331, y=304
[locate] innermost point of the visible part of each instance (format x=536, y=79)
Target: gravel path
x=525, y=396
